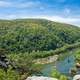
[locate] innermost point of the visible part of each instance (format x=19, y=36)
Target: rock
x=73, y=71
x=76, y=77
x=49, y=59
x=78, y=65
x=40, y=78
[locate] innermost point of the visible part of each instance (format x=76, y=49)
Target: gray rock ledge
x=40, y=78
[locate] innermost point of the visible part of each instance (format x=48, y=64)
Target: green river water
x=63, y=65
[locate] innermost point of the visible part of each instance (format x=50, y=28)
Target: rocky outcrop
x=78, y=65
x=73, y=71
x=76, y=77
x=46, y=60
x=5, y=62
x=40, y=78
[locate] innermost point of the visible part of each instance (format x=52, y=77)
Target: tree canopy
x=24, y=35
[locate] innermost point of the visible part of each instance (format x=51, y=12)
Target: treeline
x=36, y=35
x=43, y=54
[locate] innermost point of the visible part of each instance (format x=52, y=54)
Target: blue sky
x=67, y=11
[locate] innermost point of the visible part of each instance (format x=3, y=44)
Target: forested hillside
x=24, y=41
x=36, y=35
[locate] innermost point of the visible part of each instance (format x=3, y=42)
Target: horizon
x=40, y=19
x=63, y=11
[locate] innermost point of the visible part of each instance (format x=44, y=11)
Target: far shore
x=47, y=60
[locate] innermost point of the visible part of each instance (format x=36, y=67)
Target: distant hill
x=24, y=35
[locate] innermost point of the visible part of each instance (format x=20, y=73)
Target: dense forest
x=25, y=40
x=27, y=35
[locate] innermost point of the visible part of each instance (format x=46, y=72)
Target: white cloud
x=28, y=4
x=74, y=21
x=67, y=11
x=42, y=8
x=5, y=4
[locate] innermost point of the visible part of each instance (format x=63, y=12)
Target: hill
x=26, y=35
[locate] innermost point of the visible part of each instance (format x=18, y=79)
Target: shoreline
x=47, y=60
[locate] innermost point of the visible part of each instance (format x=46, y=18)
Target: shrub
x=63, y=77
x=9, y=75
x=55, y=74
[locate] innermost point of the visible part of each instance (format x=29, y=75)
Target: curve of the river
x=63, y=66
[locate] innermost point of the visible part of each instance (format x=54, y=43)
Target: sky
x=67, y=11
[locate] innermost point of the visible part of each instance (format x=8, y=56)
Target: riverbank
x=56, y=54
x=65, y=63
x=47, y=60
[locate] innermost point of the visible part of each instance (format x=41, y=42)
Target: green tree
x=63, y=77
x=55, y=74
x=9, y=75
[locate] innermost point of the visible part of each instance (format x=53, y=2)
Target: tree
x=63, y=77
x=55, y=74
x=9, y=75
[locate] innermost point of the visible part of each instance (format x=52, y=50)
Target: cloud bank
x=56, y=18
x=28, y=4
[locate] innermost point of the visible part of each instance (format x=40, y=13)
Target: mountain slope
x=23, y=35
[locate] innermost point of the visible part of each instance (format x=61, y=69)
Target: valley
x=38, y=47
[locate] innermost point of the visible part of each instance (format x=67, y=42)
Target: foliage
x=24, y=63
x=34, y=38
x=33, y=35
x=55, y=73
x=9, y=75
x=43, y=54
x=63, y=77
x=77, y=56
x=58, y=75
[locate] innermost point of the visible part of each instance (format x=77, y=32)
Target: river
x=63, y=65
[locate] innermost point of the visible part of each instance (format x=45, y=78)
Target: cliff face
x=40, y=78
x=4, y=62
